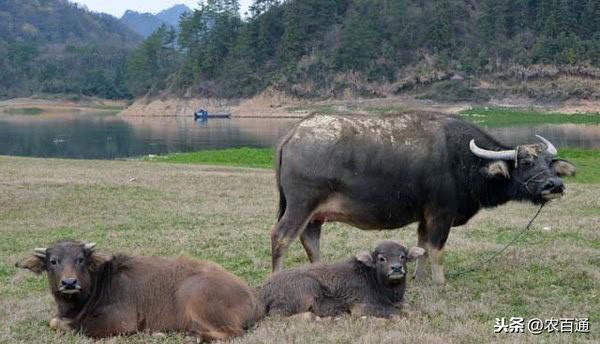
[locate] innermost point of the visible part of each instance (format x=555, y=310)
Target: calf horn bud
x=493, y=155
x=90, y=246
x=549, y=146
x=40, y=252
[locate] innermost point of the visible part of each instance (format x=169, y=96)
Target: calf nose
x=69, y=282
x=397, y=268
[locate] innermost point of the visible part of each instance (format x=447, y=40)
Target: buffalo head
x=533, y=171
x=389, y=261
x=69, y=264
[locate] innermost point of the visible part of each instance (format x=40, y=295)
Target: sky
x=118, y=7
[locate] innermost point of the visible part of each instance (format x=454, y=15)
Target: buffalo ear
x=497, y=170
x=415, y=252
x=366, y=258
x=33, y=263
x=97, y=259
x=563, y=167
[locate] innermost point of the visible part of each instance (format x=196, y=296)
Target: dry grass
x=224, y=214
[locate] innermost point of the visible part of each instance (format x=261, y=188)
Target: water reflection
x=107, y=136
x=561, y=135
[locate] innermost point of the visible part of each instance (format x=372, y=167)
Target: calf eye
x=79, y=260
x=382, y=259
x=53, y=261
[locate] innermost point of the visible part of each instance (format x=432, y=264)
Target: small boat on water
x=203, y=115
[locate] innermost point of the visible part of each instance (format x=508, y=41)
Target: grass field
x=225, y=214
x=502, y=117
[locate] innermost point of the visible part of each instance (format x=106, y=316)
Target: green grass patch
x=502, y=117
x=243, y=157
x=24, y=111
x=586, y=160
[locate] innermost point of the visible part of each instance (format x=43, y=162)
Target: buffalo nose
x=69, y=282
x=554, y=184
x=397, y=268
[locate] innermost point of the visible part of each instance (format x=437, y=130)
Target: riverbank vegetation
x=586, y=160
x=503, y=117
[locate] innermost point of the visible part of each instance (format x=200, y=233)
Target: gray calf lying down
x=103, y=295
x=371, y=283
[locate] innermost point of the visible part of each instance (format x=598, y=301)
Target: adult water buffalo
x=384, y=172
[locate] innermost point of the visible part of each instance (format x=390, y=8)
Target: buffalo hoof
x=59, y=324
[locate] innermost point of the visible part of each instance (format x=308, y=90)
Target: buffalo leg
x=438, y=227
x=437, y=240
x=310, y=240
x=422, y=260
x=291, y=223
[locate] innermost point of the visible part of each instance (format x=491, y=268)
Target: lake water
x=85, y=136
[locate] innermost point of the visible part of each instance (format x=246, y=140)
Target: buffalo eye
x=53, y=261
x=382, y=259
x=527, y=162
x=80, y=260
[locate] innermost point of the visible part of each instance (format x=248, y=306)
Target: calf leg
x=110, y=321
x=293, y=221
x=310, y=238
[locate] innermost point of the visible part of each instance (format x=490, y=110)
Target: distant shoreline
x=59, y=104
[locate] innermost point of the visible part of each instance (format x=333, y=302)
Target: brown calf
x=103, y=295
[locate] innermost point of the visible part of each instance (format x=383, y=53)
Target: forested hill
x=324, y=48
x=55, y=46
x=440, y=49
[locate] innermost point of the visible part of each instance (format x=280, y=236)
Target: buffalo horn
x=39, y=252
x=549, y=146
x=90, y=246
x=488, y=154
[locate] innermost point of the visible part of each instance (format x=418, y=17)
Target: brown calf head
x=70, y=266
x=389, y=261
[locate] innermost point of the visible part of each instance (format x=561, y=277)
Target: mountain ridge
x=146, y=23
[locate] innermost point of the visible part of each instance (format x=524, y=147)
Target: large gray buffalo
x=384, y=172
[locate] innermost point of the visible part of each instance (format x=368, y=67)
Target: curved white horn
x=495, y=155
x=40, y=252
x=89, y=246
x=549, y=146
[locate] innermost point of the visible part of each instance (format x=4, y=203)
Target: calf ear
x=366, y=258
x=415, y=252
x=33, y=263
x=97, y=259
x=563, y=167
x=496, y=170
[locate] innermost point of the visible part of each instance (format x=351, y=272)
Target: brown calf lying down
x=371, y=283
x=103, y=295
